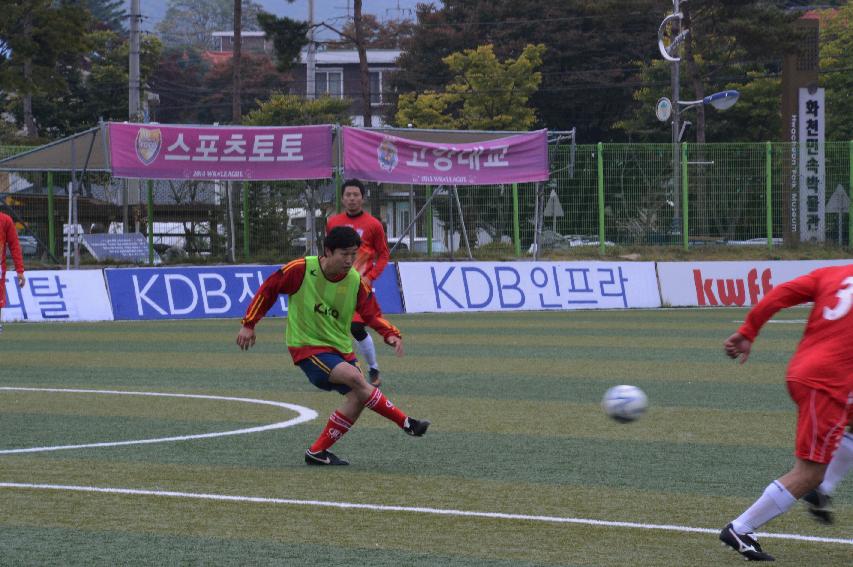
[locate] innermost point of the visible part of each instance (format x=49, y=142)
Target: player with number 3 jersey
x=820, y=381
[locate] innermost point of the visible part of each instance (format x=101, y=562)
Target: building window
x=375, y=87
x=329, y=83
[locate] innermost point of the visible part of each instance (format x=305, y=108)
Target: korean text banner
x=527, y=286
x=205, y=292
x=58, y=295
x=159, y=151
x=376, y=156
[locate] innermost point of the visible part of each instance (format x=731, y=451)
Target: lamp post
x=721, y=101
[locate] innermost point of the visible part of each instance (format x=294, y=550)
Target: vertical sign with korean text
x=385, y=158
x=812, y=166
x=161, y=151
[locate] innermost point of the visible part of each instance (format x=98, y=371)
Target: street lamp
x=721, y=101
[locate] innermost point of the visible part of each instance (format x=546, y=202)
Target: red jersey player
x=820, y=381
x=370, y=261
x=9, y=237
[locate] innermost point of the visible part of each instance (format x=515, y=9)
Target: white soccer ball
x=624, y=403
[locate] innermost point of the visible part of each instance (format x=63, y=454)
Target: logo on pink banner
x=160, y=151
x=376, y=156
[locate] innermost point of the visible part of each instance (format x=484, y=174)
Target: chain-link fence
x=597, y=195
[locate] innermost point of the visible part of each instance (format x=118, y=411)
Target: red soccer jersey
x=824, y=357
x=373, y=253
x=287, y=280
x=9, y=237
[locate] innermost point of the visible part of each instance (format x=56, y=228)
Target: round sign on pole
x=663, y=109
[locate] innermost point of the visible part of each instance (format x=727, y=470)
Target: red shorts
x=821, y=420
x=356, y=318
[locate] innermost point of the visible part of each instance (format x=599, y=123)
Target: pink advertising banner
x=161, y=151
x=378, y=156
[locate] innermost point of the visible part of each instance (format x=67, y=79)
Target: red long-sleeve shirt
x=288, y=280
x=373, y=254
x=9, y=237
x=824, y=357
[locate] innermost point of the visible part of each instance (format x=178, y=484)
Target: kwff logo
x=731, y=291
x=148, y=143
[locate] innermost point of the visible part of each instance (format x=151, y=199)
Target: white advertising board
x=57, y=295
x=527, y=286
x=737, y=284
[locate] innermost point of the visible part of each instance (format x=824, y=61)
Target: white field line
x=304, y=414
x=409, y=509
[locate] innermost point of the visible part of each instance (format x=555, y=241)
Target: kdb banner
x=508, y=286
x=381, y=157
x=160, y=151
x=58, y=295
x=198, y=293
x=738, y=284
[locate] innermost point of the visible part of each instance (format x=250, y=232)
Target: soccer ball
x=624, y=403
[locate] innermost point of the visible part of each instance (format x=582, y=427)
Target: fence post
x=600, y=164
x=427, y=222
x=151, y=222
x=246, y=220
x=768, y=167
x=685, y=201
x=516, y=231
x=51, y=228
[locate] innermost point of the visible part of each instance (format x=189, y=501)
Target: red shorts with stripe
x=821, y=420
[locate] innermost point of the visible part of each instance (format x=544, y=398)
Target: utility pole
x=310, y=60
x=236, y=111
x=132, y=186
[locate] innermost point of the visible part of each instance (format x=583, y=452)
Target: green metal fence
x=597, y=195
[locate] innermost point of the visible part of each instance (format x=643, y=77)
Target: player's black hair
x=341, y=237
x=353, y=183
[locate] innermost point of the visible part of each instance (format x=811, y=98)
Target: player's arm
x=15, y=247
x=286, y=280
x=788, y=294
x=369, y=309
x=383, y=255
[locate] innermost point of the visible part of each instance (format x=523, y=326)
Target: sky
x=331, y=11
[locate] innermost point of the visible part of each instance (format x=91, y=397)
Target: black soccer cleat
x=745, y=544
x=819, y=506
x=375, y=380
x=323, y=458
x=415, y=427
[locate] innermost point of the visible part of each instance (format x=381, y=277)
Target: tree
x=259, y=78
x=836, y=60
x=585, y=71
x=288, y=38
x=288, y=109
x=179, y=80
x=192, y=22
x=377, y=34
x=485, y=93
x=38, y=38
x=107, y=14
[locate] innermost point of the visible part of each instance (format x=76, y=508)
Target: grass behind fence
x=517, y=429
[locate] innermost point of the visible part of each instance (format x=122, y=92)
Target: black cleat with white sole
x=415, y=427
x=745, y=544
x=323, y=458
x=820, y=506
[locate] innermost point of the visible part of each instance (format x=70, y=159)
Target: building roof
x=350, y=56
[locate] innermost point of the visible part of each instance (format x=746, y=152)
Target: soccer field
x=520, y=466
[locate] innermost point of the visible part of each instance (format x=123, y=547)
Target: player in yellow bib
x=324, y=292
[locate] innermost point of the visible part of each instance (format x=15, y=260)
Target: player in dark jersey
x=324, y=292
x=370, y=261
x=820, y=381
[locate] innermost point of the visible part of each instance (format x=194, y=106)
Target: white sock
x=368, y=351
x=775, y=501
x=839, y=466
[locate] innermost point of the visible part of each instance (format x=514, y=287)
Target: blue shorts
x=318, y=367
